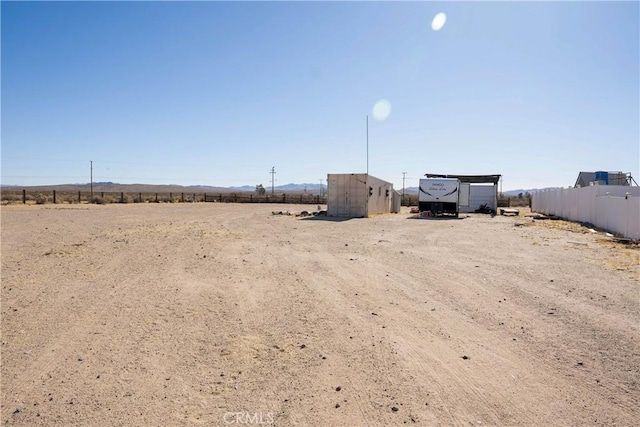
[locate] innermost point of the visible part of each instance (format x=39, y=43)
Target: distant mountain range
x=168, y=188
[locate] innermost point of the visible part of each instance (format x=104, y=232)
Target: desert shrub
x=11, y=198
x=41, y=199
x=99, y=200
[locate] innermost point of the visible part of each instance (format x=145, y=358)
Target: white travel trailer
x=442, y=196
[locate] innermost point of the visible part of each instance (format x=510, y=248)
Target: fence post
x=250, y=198
x=156, y=197
x=182, y=198
x=235, y=197
x=284, y=198
x=102, y=194
x=140, y=197
x=54, y=197
x=205, y=197
x=121, y=197
x=24, y=197
x=170, y=197
x=317, y=199
x=194, y=198
x=79, y=199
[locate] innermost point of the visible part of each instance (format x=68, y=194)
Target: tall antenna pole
x=367, y=144
x=273, y=173
x=91, y=162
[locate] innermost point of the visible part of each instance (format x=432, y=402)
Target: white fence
x=615, y=208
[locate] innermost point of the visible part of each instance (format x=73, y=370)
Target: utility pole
x=91, y=161
x=403, y=177
x=273, y=173
x=321, y=187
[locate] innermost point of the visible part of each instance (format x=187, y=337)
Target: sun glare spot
x=381, y=109
x=438, y=21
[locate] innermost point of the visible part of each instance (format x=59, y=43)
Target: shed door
x=465, y=189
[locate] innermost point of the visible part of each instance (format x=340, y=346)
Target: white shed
x=359, y=195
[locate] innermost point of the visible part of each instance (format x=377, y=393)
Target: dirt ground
x=216, y=314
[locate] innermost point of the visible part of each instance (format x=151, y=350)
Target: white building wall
x=615, y=208
x=480, y=195
x=396, y=201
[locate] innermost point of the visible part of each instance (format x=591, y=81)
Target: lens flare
x=381, y=109
x=438, y=21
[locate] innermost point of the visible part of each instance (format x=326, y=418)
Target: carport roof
x=473, y=179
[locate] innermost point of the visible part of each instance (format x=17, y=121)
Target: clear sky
x=216, y=93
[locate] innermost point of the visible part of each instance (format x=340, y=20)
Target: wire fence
x=104, y=197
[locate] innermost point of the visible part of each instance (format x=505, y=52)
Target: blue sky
x=216, y=93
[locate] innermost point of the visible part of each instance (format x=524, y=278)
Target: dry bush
x=11, y=198
x=41, y=199
x=99, y=200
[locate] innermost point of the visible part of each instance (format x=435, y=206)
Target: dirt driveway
x=215, y=314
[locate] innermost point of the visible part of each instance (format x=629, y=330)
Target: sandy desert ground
x=214, y=314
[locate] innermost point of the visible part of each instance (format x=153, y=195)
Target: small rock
x=303, y=346
x=80, y=359
x=337, y=405
x=338, y=388
x=394, y=409
x=374, y=314
x=17, y=410
x=465, y=357
x=580, y=363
